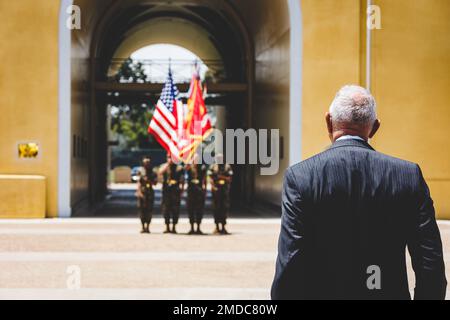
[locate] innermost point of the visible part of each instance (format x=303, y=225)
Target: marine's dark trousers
x=146, y=207
x=195, y=204
x=221, y=204
x=171, y=204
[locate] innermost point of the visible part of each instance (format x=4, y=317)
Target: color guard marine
x=221, y=176
x=173, y=186
x=197, y=182
x=146, y=194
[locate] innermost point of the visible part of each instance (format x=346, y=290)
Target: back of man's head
x=353, y=104
x=353, y=111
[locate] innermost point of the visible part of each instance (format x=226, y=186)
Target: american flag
x=167, y=124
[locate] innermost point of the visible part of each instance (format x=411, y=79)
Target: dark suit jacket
x=350, y=208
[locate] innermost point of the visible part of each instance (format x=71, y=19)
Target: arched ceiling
x=201, y=27
x=171, y=31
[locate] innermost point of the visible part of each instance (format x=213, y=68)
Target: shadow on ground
x=121, y=203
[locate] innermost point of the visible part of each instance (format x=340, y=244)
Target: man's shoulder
x=394, y=161
x=309, y=163
x=331, y=155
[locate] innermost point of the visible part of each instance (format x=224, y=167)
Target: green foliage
x=130, y=121
x=131, y=72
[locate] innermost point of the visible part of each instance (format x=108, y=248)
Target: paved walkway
x=38, y=259
x=108, y=259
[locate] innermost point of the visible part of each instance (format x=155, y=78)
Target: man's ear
x=376, y=126
x=329, y=124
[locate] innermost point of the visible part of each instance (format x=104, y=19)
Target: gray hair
x=353, y=104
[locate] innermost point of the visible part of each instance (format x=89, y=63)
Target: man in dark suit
x=349, y=213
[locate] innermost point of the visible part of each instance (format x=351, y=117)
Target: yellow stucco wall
x=331, y=58
x=25, y=196
x=411, y=82
x=29, y=89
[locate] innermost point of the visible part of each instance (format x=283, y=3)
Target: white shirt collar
x=349, y=137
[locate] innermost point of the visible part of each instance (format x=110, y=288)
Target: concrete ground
x=107, y=258
x=43, y=258
x=40, y=258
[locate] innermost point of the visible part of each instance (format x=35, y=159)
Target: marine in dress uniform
x=173, y=186
x=221, y=176
x=197, y=182
x=146, y=194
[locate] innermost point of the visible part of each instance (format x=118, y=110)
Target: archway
x=116, y=22
x=186, y=27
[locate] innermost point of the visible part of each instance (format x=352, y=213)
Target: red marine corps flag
x=197, y=122
x=167, y=124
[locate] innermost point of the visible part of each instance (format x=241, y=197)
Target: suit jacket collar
x=351, y=143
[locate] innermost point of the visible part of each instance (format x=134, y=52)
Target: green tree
x=130, y=121
x=131, y=72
